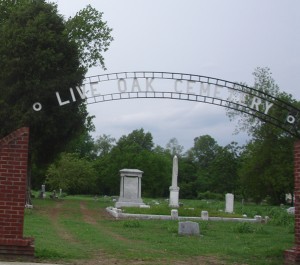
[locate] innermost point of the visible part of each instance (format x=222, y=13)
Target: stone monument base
x=125, y=202
x=174, y=197
x=128, y=204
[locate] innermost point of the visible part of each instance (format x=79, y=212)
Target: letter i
x=72, y=94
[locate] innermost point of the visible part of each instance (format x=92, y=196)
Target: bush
x=210, y=196
x=72, y=174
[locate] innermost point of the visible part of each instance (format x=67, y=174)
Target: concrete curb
x=117, y=213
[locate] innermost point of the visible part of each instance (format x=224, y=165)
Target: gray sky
x=217, y=38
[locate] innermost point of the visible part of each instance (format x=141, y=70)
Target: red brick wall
x=13, y=181
x=292, y=256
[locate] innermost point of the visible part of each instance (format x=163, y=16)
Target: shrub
x=210, y=196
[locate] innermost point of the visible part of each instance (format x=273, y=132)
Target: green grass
x=73, y=228
x=215, y=209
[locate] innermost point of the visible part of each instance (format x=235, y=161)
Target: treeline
x=207, y=170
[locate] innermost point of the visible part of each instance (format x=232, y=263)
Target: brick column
x=13, y=185
x=292, y=256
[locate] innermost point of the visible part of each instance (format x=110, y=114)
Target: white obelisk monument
x=174, y=190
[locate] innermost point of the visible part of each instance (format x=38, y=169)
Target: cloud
x=225, y=40
x=165, y=119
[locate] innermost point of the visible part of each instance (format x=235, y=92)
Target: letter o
x=290, y=119
x=122, y=82
x=37, y=106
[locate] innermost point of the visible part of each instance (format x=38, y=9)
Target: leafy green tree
x=204, y=150
x=135, y=150
x=103, y=144
x=125, y=154
x=223, y=171
x=174, y=148
x=39, y=56
x=36, y=60
x=199, y=159
x=91, y=34
x=266, y=168
x=83, y=145
x=209, y=167
x=73, y=174
x=136, y=141
x=187, y=178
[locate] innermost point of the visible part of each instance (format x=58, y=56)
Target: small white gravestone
x=258, y=218
x=229, y=198
x=43, y=191
x=130, y=188
x=174, y=214
x=188, y=228
x=291, y=210
x=204, y=215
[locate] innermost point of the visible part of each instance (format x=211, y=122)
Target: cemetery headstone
x=229, y=200
x=188, y=228
x=174, y=189
x=130, y=188
x=204, y=215
x=174, y=214
x=43, y=191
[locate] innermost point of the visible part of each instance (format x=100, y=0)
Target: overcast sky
x=217, y=38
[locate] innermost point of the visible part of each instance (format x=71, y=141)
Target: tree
x=37, y=59
x=263, y=82
x=103, y=144
x=73, y=174
x=197, y=163
x=136, y=141
x=204, y=150
x=266, y=168
x=187, y=178
x=135, y=150
x=174, y=147
x=91, y=34
x=209, y=167
x=83, y=145
x=223, y=170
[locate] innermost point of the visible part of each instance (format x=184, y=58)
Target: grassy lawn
x=77, y=229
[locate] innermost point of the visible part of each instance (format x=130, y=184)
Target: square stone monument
x=130, y=188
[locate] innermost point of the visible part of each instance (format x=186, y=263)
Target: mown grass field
x=77, y=230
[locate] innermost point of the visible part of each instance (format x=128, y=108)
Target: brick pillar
x=13, y=185
x=292, y=256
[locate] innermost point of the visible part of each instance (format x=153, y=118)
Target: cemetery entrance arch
x=196, y=88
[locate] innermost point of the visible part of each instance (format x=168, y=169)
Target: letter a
x=135, y=84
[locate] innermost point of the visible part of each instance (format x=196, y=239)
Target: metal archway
x=234, y=96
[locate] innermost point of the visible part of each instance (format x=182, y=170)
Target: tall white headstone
x=229, y=198
x=174, y=189
x=43, y=191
